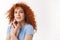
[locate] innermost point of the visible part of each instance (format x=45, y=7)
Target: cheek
x=14, y=15
x=22, y=16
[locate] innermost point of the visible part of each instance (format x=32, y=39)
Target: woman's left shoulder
x=29, y=26
x=29, y=29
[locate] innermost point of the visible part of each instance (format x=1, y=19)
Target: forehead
x=18, y=9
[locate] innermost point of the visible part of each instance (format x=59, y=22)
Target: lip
x=18, y=17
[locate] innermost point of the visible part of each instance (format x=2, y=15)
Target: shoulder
x=29, y=29
x=8, y=29
x=28, y=26
x=9, y=26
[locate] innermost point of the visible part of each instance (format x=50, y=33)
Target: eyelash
x=16, y=12
x=21, y=12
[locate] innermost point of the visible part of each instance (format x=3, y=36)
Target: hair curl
x=29, y=14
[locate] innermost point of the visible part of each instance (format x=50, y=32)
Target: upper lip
x=18, y=17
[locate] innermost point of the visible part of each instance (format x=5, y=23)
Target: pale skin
x=19, y=17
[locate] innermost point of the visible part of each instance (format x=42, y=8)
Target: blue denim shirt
x=25, y=30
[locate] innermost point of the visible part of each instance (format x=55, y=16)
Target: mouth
x=18, y=17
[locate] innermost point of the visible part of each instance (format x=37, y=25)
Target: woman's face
x=19, y=14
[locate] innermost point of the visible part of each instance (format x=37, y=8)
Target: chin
x=19, y=20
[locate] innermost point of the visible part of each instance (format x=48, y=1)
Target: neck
x=22, y=23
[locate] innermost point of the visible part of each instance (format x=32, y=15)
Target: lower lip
x=18, y=17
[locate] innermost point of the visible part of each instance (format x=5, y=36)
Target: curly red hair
x=29, y=14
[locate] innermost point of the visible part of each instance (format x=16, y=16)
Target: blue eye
x=21, y=12
x=15, y=12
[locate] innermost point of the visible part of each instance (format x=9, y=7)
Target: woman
x=22, y=22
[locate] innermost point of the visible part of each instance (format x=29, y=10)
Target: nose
x=18, y=14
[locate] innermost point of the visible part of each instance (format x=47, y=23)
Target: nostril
x=18, y=14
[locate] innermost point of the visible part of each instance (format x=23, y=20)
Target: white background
x=46, y=14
